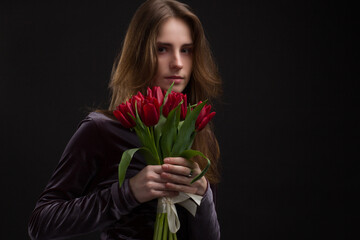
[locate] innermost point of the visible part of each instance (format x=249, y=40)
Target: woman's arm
x=72, y=203
x=205, y=225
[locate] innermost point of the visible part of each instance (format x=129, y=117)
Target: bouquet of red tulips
x=166, y=126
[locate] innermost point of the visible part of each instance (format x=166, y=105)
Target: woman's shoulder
x=100, y=115
x=100, y=121
x=106, y=127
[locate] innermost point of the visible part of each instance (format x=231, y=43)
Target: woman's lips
x=175, y=79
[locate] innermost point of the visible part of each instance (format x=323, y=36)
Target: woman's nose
x=176, y=62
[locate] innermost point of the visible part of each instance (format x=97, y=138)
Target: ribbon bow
x=167, y=205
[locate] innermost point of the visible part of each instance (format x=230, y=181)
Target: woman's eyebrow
x=170, y=45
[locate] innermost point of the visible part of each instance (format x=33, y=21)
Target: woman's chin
x=178, y=88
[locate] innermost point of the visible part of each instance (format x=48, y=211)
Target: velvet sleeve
x=71, y=203
x=205, y=225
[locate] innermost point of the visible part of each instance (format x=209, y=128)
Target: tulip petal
x=130, y=109
x=149, y=92
x=205, y=121
x=159, y=95
x=123, y=120
x=150, y=114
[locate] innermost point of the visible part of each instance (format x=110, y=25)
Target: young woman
x=165, y=43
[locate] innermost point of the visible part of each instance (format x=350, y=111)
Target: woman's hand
x=148, y=184
x=178, y=174
x=167, y=180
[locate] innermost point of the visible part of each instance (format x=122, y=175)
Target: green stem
x=150, y=132
x=161, y=226
x=166, y=228
x=156, y=227
x=171, y=236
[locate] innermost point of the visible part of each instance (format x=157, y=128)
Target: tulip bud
x=122, y=114
x=173, y=100
x=204, y=117
x=157, y=93
x=149, y=111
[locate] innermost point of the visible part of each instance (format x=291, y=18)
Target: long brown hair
x=136, y=67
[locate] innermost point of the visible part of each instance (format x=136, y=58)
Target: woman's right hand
x=148, y=185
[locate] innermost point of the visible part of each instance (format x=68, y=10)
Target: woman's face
x=174, y=53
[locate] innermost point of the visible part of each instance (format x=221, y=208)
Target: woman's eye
x=161, y=49
x=186, y=50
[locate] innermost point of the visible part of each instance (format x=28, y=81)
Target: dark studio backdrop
x=286, y=124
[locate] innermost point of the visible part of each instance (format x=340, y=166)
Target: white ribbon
x=167, y=205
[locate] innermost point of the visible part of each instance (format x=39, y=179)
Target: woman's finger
x=148, y=184
x=179, y=161
x=155, y=168
x=153, y=173
x=175, y=178
x=167, y=193
x=181, y=188
x=176, y=169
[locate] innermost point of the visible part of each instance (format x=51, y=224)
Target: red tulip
x=149, y=111
x=122, y=114
x=204, y=117
x=173, y=100
x=138, y=98
x=157, y=93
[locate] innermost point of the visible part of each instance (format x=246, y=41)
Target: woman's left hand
x=179, y=172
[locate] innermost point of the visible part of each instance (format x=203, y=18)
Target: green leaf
x=188, y=154
x=180, y=124
x=187, y=130
x=126, y=158
x=150, y=157
x=140, y=134
x=190, y=143
x=138, y=119
x=157, y=134
x=169, y=133
x=178, y=113
x=124, y=163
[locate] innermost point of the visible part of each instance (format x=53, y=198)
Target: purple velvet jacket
x=83, y=195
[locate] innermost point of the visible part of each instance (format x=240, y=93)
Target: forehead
x=174, y=30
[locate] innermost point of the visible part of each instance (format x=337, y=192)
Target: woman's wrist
x=203, y=186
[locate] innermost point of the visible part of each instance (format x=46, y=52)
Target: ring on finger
x=191, y=173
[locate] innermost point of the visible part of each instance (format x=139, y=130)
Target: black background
x=286, y=124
